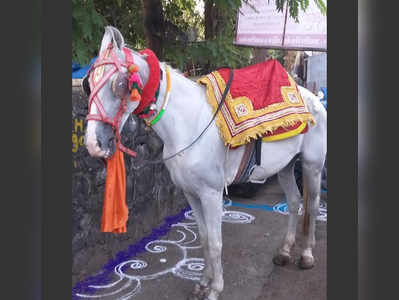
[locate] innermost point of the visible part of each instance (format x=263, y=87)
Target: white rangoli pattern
x=282, y=208
x=131, y=273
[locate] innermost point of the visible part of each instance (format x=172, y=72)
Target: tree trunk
x=154, y=25
x=214, y=23
x=209, y=19
x=214, y=20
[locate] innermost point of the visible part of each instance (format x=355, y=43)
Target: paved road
x=250, y=238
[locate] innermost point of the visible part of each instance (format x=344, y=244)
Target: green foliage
x=294, y=5
x=220, y=52
x=87, y=30
x=206, y=55
x=184, y=46
x=125, y=15
x=278, y=55
x=322, y=6
x=89, y=17
x=182, y=13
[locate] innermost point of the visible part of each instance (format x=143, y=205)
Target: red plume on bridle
x=148, y=93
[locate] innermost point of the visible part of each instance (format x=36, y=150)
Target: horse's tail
x=319, y=113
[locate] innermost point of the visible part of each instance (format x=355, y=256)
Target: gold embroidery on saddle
x=239, y=122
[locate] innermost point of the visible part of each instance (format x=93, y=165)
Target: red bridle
x=108, y=58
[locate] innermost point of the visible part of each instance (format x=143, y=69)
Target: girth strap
x=258, y=150
x=252, y=157
x=248, y=153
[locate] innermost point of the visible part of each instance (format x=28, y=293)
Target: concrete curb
x=76, y=82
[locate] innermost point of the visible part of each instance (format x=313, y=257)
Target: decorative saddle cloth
x=263, y=101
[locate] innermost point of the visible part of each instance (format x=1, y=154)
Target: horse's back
x=275, y=155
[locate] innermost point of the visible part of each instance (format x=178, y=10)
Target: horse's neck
x=186, y=115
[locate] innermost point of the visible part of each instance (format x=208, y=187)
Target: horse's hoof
x=211, y=295
x=198, y=293
x=197, y=289
x=306, y=262
x=193, y=297
x=281, y=259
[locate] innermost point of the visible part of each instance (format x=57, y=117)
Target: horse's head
x=109, y=97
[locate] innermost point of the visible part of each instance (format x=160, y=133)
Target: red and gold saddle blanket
x=263, y=101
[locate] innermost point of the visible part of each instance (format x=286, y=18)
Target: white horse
x=203, y=170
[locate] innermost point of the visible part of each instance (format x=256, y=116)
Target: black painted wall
x=151, y=195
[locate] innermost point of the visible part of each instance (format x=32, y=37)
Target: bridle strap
x=127, y=150
x=99, y=85
x=101, y=116
x=93, y=98
x=128, y=56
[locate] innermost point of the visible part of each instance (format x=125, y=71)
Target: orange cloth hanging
x=115, y=210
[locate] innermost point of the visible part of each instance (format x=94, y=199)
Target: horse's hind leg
x=288, y=184
x=201, y=288
x=312, y=181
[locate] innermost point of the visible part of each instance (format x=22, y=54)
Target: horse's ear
x=86, y=85
x=114, y=36
x=118, y=38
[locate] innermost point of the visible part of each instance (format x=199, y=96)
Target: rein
x=226, y=90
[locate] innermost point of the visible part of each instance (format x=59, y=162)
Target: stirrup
x=252, y=171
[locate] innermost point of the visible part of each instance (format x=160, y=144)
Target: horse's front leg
x=212, y=207
x=202, y=287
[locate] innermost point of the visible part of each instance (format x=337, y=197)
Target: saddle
x=263, y=101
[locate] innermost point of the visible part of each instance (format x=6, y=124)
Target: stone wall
x=151, y=195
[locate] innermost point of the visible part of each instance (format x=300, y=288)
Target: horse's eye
x=120, y=86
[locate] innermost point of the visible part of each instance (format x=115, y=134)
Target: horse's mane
x=180, y=74
x=163, y=64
